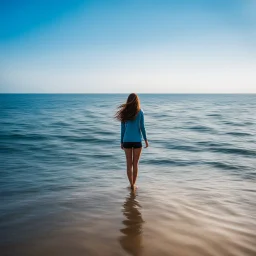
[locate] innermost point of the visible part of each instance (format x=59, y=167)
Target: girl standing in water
x=132, y=126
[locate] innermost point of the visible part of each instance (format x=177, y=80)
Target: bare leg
x=128, y=153
x=135, y=162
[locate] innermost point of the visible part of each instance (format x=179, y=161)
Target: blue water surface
x=60, y=156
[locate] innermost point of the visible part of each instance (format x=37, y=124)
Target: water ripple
x=63, y=184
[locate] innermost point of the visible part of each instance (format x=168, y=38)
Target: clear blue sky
x=185, y=46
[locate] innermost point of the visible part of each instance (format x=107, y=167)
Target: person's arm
x=142, y=128
x=122, y=132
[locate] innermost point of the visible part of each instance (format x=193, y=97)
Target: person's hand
x=122, y=146
x=146, y=142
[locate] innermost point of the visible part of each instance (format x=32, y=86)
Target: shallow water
x=64, y=190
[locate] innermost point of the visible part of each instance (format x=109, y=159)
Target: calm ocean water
x=63, y=184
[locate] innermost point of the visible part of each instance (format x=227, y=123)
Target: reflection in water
x=131, y=239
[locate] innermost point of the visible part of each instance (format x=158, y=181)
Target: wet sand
x=160, y=222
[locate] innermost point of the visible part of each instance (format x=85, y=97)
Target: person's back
x=131, y=129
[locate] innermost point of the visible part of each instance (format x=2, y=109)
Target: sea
x=63, y=184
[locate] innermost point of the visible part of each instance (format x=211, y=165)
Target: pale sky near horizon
x=164, y=46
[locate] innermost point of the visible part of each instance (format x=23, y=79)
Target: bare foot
x=133, y=187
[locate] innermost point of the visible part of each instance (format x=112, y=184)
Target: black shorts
x=132, y=145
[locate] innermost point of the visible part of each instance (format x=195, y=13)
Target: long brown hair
x=128, y=110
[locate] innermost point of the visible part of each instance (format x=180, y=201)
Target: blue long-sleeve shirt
x=131, y=130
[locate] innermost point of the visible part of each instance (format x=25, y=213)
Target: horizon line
x=117, y=93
